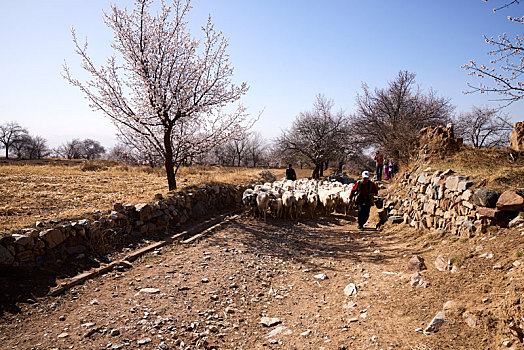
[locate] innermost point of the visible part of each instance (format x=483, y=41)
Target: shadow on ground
x=333, y=237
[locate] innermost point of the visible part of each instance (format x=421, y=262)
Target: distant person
x=390, y=169
x=290, y=173
x=386, y=169
x=379, y=161
x=363, y=193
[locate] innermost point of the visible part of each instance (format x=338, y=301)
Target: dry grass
x=488, y=168
x=41, y=190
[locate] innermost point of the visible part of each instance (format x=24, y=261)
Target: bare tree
x=484, y=127
x=318, y=135
x=20, y=146
x=170, y=90
x=71, y=150
x=390, y=118
x=506, y=66
x=30, y=147
x=37, y=148
x=256, y=149
x=92, y=149
x=10, y=132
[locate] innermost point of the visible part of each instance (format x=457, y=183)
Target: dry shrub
x=93, y=165
x=267, y=176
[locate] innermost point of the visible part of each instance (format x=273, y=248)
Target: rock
x=516, y=221
x=350, y=289
x=115, y=332
x=321, y=276
x=269, y=321
x=150, y=290
x=452, y=182
x=26, y=256
x=464, y=185
x=416, y=280
x=94, y=302
x=435, y=323
x=471, y=320
x=75, y=250
x=53, y=237
x=486, y=256
x=306, y=333
x=22, y=239
x=144, y=341
x=488, y=212
x=351, y=304
x=145, y=211
x=517, y=137
x=441, y=264
x=422, y=179
x=277, y=331
x=396, y=219
x=485, y=198
x=449, y=305
x=6, y=258
x=510, y=201
x=63, y=335
x=416, y=263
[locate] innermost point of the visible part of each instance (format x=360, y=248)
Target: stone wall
x=445, y=201
x=59, y=240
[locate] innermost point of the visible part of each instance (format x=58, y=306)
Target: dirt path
x=214, y=293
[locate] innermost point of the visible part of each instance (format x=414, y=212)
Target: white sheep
x=263, y=203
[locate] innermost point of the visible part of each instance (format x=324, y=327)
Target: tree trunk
x=170, y=171
x=6, y=151
x=316, y=172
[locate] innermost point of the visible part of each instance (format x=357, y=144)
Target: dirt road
x=215, y=293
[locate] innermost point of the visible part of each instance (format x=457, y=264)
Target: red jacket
x=379, y=160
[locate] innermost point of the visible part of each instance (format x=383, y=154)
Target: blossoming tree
x=506, y=66
x=165, y=91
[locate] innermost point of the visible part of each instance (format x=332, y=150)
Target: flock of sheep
x=293, y=199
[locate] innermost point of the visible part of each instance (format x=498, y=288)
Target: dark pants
x=363, y=213
x=379, y=172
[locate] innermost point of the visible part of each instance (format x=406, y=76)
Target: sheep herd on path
x=293, y=199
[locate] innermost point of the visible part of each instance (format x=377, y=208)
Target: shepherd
x=362, y=193
x=290, y=173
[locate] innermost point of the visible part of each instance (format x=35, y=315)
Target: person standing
x=379, y=161
x=363, y=193
x=386, y=170
x=290, y=173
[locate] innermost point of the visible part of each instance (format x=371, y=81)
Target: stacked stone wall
x=445, y=201
x=59, y=240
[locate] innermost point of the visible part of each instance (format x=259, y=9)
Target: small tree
x=169, y=92
x=318, y=135
x=484, y=127
x=10, y=133
x=390, y=118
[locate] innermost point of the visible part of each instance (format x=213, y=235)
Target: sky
x=287, y=51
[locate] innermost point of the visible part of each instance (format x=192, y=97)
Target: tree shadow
x=300, y=241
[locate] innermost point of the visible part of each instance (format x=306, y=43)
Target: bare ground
x=214, y=293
